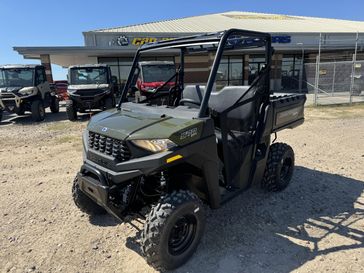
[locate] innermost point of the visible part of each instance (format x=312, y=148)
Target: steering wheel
x=186, y=100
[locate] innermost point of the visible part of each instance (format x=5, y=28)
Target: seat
x=194, y=93
x=226, y=97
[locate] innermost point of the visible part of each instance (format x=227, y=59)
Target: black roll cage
x=182, y=43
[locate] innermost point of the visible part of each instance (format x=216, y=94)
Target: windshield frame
x=5, y=78
x=219, y=38
x=74, y=81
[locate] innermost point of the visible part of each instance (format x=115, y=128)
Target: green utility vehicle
x=90, y=86
x=25, y=88
x=202, y=149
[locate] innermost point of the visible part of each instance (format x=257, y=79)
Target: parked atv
x=90, y=87
x=25, y=88
x=204, y=147
x=153, y=75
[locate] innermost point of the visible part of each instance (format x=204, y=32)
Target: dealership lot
x=316, y=225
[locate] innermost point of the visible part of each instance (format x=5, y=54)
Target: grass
x=335, y=112
x=58, y=126
x=69, y=139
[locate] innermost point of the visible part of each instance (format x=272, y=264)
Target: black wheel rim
x=182, y=234
x=286, y=170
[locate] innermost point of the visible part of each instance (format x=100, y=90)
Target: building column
x=45, y=59
x=246, y=69
x=276, y=76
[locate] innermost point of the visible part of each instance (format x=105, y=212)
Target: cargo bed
x=286, y=112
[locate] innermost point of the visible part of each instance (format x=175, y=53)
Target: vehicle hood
x=123, y=124
x=10, y=89
x=156, y=84
x=88, y=86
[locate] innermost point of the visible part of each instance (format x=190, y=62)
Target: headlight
x=26, y=91
x=71, y=91
x=106, y=90
x=154, y=145
x=148, y=88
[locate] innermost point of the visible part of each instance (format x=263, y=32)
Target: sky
x=61, y=23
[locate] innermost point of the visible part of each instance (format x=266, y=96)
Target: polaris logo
x=104, y=129
x=188, y=134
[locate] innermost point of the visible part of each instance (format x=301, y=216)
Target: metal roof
x=88, y=66
x=272, y=23
x=12, y=66
x=155, y=62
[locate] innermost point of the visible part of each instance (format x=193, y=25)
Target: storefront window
x=291, y=69
x=256, y=63
x=230, y=72
x=120, y=67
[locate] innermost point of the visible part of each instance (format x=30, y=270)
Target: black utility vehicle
x=25, y=88
x=90, y=86
x=204, y=147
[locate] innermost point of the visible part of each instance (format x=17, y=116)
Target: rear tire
x=108, y=103
x=1, y=115
x=83, y=202
x=54, y=105
x=38, y=111
x=173, y=230
x=71, y=111
x=279, y=169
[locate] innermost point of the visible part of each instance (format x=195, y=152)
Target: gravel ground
x=315, y=225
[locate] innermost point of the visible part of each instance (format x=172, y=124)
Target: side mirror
x=114, y=80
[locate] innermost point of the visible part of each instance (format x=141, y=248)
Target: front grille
x=88, y=92
x=109, y=146
x=7, y=96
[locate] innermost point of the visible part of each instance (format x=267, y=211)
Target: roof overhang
x=74, y=55
x=36, y=52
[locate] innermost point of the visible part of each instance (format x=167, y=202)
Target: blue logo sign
x=281, y=39
x=104, y=129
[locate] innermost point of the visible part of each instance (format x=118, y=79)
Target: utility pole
x=317, y=78
x=353, y=69
x=300, y=81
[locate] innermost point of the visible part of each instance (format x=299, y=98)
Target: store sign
x=138, y=41
x=281, y=39
x=144, y=40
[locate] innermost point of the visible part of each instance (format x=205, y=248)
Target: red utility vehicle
x=153, y=75
x=61, y=89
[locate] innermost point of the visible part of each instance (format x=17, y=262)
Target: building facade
x=297, y=41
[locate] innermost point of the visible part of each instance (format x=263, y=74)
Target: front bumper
x=97, y=182
x=88, y=101
x=10, y=100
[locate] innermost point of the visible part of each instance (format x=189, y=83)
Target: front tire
x=279, y=169
x=173, y=230
x=38, y=111
x=54, y=105
x=83, y=202
x=71, y=111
